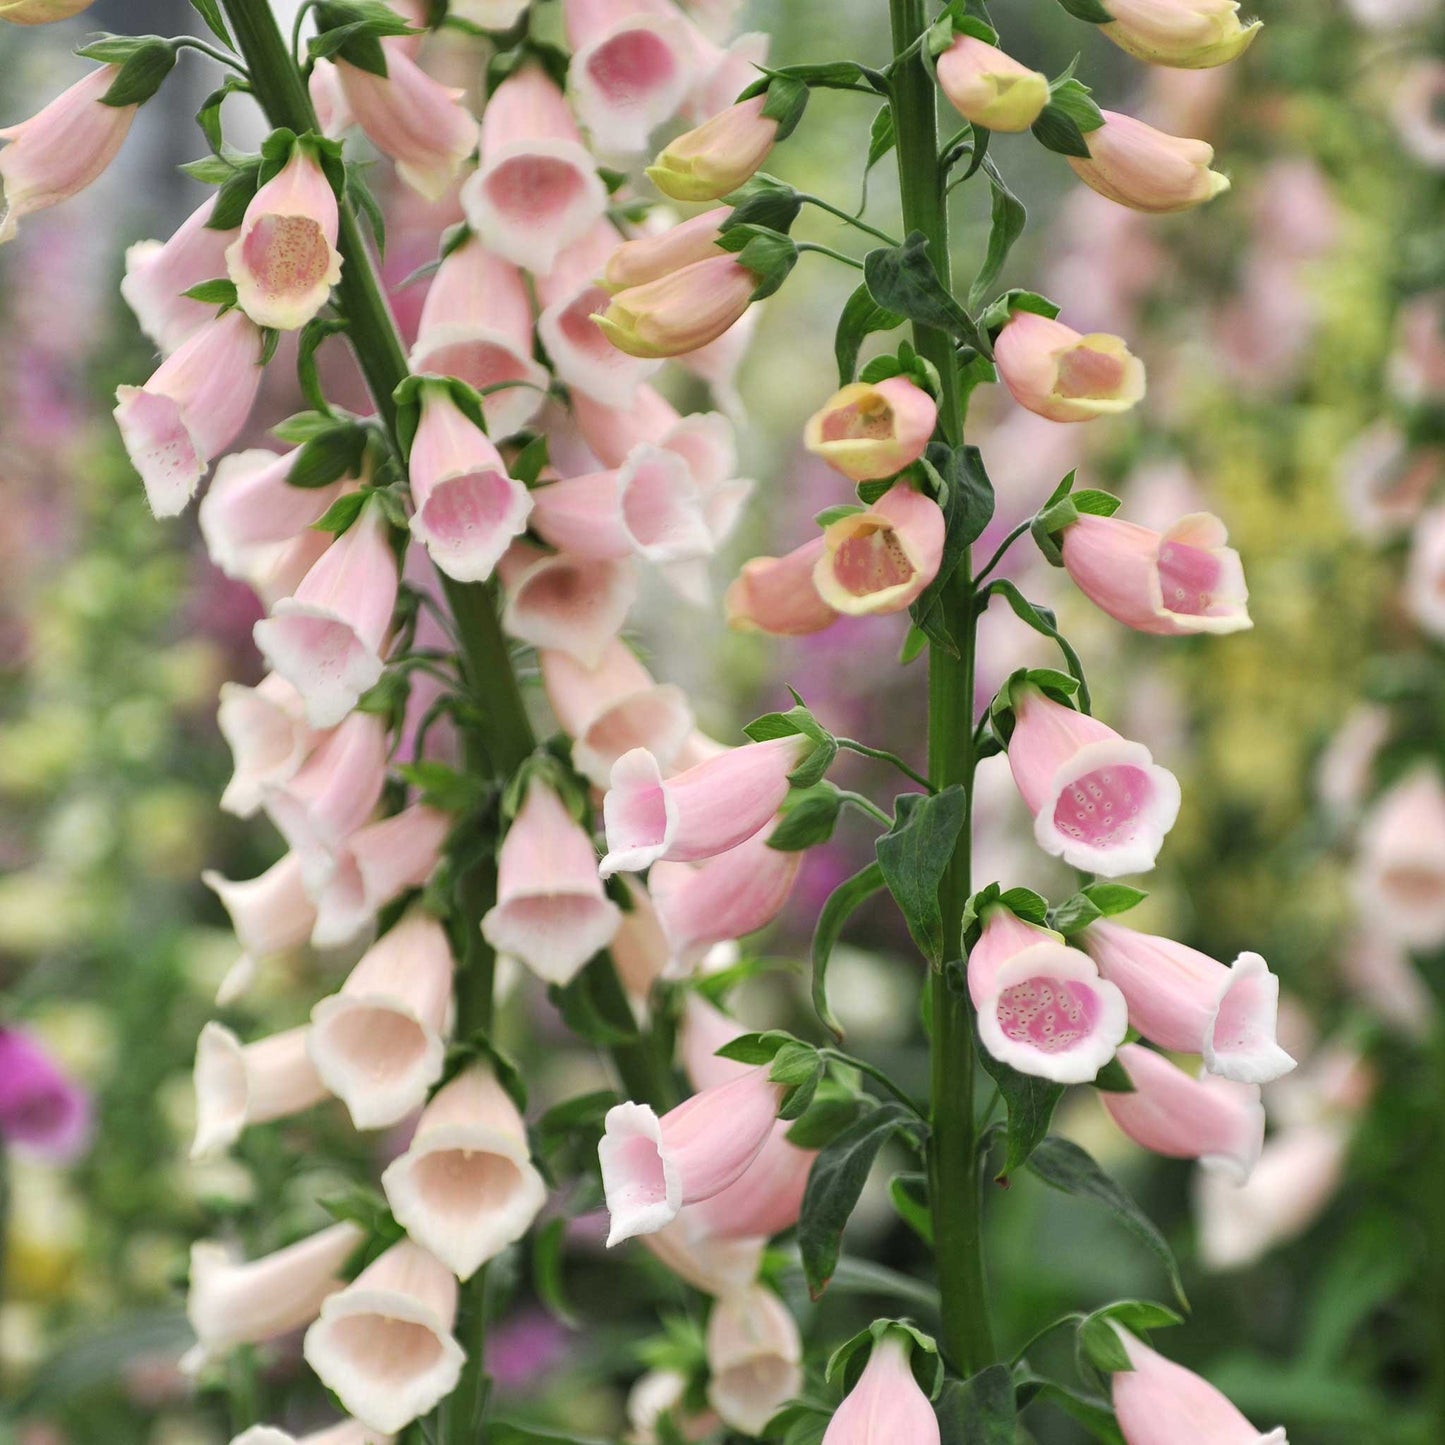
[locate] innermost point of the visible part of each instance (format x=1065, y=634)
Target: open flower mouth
x=1051, y=1015
x=871, y=560
x=286, y=256
x=1104, y=808
x=1189, y=578
x=1089, y=375
x=870, y=419
x=631, y=68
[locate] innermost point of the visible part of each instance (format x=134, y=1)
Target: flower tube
x=989, y=88
x=886, y=1403
x=777, y=595
x=269, y=737
x=651, y=257
x=717, y=157
x=1137, y=166
x=680, y=312
x=158, y=273
x=1189, y=34
x=238, y=1085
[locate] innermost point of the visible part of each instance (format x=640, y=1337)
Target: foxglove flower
x=158, y=273
x=1057, y=373
x=1137, y=166
x=569, y=604
x=777, y=595
x=679, y=312
x=238, y=1084
x=754, y=1358
x=765, y=1201
x=41, y=12
x=651, y=257
x=717, y=157
x=886, y=1404
x=1189, y=34
x=989, y=88
x=43, y=1114
x=872, y=430
x=348, y=1432
x=270, y=914
x=266, y=729
x=881, y=558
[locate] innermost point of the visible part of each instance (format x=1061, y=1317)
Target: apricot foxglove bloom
x=652, y=1167
x=886, y=1404
x=713, y=160
x=1189, y=34
x=880, y=558
x=1185, y=1001
x=777, y=595
x=650, y=258
x=765, y=1201
x=43, y=1114
x=681, y=311
x=238, y=1084
x=466, y=1187
x=552, y=913
x=1100, y=802
x=1137, y=166
x=1057, y=373
x=270, y=913
x=715, y=1266
x=158, y=273
x=1042, y=1006
x=1400, y=868
x=266, y=729
x=754, y=1358
x=989, y=88
x=870, y=430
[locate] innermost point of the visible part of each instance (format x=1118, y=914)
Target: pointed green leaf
x=914, y=855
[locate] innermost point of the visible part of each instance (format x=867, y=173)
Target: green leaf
x=234, y=196
x=809, y=817
x=1042, y=620
x=793, y=1064
x=881, y=140
x=1008, y=218
x=210, y=12
x=902, y=279
x=861, y=317
x=832, y=1109
x=786, y=102
x=507, y=1432
x=1101, y=1347
x=759, y=1048
x=967, y=503
x=1114, y=1078
x=208, y=117
x=353, y=30
x=341, y=513
x=763, y=202
x=842, y=902
x=593, y=1011
x=312, y=335
x=329, y=456
x=1094, y=1414
x=909, y=1193
x=914, y=855
x=573, y=1117
x=1090, y=10
x=1031, y=1103
x=219, y=292
x=142, y=74
x=768, y=254
x=302, y=426
x=359, y=192
x=1057, y=130
x=834, y=1184
x=981, y=1410
x=529, y=463
x=547, y=1247
x=1075, y=100
x=1064, y=1166
x=438, y=783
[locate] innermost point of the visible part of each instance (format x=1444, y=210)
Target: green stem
x=954, y=1191
x=830, y=253
x=852, y=745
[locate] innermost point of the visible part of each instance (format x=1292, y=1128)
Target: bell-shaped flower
x=777, y=595
x=1042, y=1006
x=384, y=1345
x=44, y=1114
x=1186, y=1002
x=702, y=1031
x=466, y=1187
x=717, y=157
x=611, y=432
x=489, y=14
x=158, y=273
x=468, y=509
x=233, y=1302
x=552, y=912
x=872, y=430
x=348, y=1432
x=697, y=813
x=269, y=737
x=1217, y=1121
x=238, y=1084
x=1137, y=166
x=1173, y=583
x=765, y=1201
x=537, y=189
x=1100, y=802
x=423, y=125
x=1155, y=1395
x=715, y=1266
x=612, y=708
x=1188, y=34
x=886, y=1404
x=679, y=312
x=61, y=149
x=989, y=88
x=652, y=1167
x=1400, y=869
x=754, y=1358
x=284, y=262
x=327, y=638
x=879, y=559
x=191, y=409
x=632, y=64
x=476, y=325
x=270, y=914
x=651, y=257
x=378, y=1043
x=1057, y=373
x=575, y=605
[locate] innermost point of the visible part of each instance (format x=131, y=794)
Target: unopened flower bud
x=708, y=163
x=1057, y=373
x=679, y=312
x=991, y=89
x=1137, y=166
x=1185, y=34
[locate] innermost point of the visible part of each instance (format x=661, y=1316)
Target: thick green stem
x=953, y=1164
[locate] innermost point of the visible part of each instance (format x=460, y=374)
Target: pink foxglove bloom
x=698, y=813
x=881, y=558
x=1189, y=34
x=273, y=570
x=754, y=1358
x=468, y=509
x=652, y=1167
x=1137, y=166
x=41, y=12
x=612, y=708
x=611, y=432
x=1400, y=877
x=43, y=1114
x=765, y=1201
x=384, y=1344
x=191, y=409
x=378, y=1044
x=61, y=149
x=270, y=914
x=1156, y=1396
x=466, y=1187
x=537, y=189
x=639, y=950
x=250, y=509
x=715, y=1266
x=659, y=1395
x=886, y=1404
x=777, y=595
x=327, y=639
x=266, y=729
x=649, y=258
x=1425, y=573
x=1385, y=981
x=1100, y=802
x=729, y=896
x=681, y=311
x=285, y=262
x=234, y=1302
x=348, y=1432
x=1042, y=1006
x=1057, y=373
x=1384, y=481
x=157, y=273
x=570, y=604
x=989, y=88
x=552, y=913
x=632, y=64
x=1217, y=1121
x=238, y=1084
x=702, y=1031
x=420, y=123
x=717, y=157
x=868, y=431
x=476, y=325
x=1173, y=583
x=328, y=99
x=1185, y=1001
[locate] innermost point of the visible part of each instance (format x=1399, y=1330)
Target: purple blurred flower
x=42, y=1113
x=522, y=1349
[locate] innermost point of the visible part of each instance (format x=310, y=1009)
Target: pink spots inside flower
x=286, y=255
x=1048, y=1014
x=632, y=65
x=1089, y=374
x=868, y=419
x=1188, y=577
x=1104, y=809
x=1412, y=885
x=871, y=560
x=535, y=189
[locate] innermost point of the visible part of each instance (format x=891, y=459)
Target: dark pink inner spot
x=534, y=188
x=577, y=325
x=871, y=560
x=1187, y=578
x=286, y=254
x=631, y=65
x=1103, y=808
x=1048, y=1014
x=479, y=364
x=469, y=509
x=868, y=420
x=1084, y=372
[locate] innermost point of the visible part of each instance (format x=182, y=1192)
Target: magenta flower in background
x=42, y=1112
